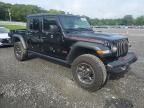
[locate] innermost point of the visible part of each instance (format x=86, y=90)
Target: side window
x=31, y=24
x=34, y=24
x=48, y=23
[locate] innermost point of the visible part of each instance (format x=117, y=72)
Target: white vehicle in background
x=4, y=38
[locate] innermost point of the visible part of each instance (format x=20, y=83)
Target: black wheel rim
x=18, y=51
x=85, y=73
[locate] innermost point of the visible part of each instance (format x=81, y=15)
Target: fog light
x=123, y=68
x=129, y=45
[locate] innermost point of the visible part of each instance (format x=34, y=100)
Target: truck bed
x=19, y=32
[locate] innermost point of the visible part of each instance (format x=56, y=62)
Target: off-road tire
x=99, y=71
x=23, y=55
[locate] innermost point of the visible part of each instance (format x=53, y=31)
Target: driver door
x=51, y=38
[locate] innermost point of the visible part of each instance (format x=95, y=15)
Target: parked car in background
x=4, y=38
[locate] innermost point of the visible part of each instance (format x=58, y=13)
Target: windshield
x=4, y=30
x=74, y=23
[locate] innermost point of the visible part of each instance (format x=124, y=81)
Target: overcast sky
x=92, y=8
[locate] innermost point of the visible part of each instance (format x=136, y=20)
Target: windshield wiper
x=87, y=29
x=71, y=30
x=77, y=29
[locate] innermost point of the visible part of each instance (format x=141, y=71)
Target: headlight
x=111, y=46
x=114, y=49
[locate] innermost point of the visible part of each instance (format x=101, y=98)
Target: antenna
x=9, y=12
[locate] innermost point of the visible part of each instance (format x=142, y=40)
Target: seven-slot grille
x=122, y=46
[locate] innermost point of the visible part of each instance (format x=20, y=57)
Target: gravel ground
x=39, y=83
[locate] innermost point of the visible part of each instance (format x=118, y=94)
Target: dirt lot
x=39, y=83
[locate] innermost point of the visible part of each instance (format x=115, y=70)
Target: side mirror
x=54, y=28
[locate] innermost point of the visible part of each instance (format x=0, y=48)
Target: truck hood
x=4, y=36
x=92, y=36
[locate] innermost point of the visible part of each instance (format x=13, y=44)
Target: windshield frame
x=74, y=29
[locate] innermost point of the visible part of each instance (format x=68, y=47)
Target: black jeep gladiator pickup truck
x=70, y=39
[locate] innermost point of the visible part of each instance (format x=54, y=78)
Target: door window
x=35, y=24
x=48, y=24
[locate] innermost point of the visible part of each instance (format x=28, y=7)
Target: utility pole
x=9, y=12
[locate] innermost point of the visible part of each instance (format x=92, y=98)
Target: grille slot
x=122, y=46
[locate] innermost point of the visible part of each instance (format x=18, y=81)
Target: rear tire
x=20, y=53
x=90, y=68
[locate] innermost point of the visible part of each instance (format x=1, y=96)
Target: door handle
x=44, y=37
x=29, y=33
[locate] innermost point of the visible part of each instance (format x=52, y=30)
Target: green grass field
x=13, y=27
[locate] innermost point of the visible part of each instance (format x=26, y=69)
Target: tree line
x=18, y=12
x=127, y=20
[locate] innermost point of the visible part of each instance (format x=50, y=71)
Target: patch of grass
x=13, y=27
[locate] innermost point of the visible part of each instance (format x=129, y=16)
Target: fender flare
x=87, y=45
x=20, y=37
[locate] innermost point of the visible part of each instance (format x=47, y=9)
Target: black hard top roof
x=46, y=14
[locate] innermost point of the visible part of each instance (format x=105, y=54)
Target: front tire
x=89, y=72
x=19, y=51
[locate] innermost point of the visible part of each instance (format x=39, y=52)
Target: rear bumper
x=122, y=63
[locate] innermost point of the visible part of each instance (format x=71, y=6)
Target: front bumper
x=5, y=42
x=122, y=63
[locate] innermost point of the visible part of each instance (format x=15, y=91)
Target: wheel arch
x=80, y=48
x=17, y=38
